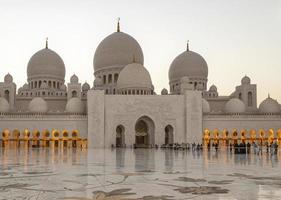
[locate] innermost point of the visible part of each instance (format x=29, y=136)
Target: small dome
x=8, y=78
x=213, y=88
x=25, y=87
x=74, y=79
x=19, y=90
x=269, y=106
x=205, y=106
x=245, y=80
x=75, y=105
x=164, y=91
x=86, y=87
x=46, y=63
x=117, y=49
x=235, y=106
x=134, y=76
x=38, y=105
x=4, y=105
x=188, y=64
x=63, y=87
x=98, y=82
x=44, y=85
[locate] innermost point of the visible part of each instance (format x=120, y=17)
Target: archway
x=64, y=138
x=253, y=135
x=261, y=136
x=46, y=139
x=144, y=132
x=270, y=136
x=75, y=135
x=74, y=93
x=207, y=136
x=35, y=138
x=234, y=136
x=5, y=137
x=243, y=136
x=225, y=137
x=5, y=134
x=279, y=137
x=169, y=134
x=16, y=134
x=120, y=137
x=55, y=137
x=216, y=135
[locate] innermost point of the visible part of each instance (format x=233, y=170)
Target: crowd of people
x=236, y=148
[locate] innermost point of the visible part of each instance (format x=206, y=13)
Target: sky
x=236, y=38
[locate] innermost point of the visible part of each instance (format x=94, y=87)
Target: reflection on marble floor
x=141, y=174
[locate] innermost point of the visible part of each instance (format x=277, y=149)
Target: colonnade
x=45, y=138
x=227, y=137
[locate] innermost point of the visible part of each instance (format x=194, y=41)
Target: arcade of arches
x=226, y=137
x=45, y=138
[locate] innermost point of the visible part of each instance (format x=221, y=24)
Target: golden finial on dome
x=46, y=42
x=118, y=25
x=187, y=45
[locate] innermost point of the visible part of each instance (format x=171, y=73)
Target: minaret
x=118, y=25
x=47, y=43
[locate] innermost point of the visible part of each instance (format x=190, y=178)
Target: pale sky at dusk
x=235, y=37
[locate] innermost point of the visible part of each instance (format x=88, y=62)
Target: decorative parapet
x=43, y=116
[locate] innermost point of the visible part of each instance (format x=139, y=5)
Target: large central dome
x=117, y=49
x=46, y=63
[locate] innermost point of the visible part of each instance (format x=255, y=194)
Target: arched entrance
x=169, y=134
x=144, y=132
x=120, y=137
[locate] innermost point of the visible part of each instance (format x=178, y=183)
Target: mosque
x=122, y=108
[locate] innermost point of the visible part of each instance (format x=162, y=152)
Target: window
x=240, y=96
x=74, y=93
x=7, y=95
x=115, y=78
x=104, y=79
x=110, y=78
x=250, y=99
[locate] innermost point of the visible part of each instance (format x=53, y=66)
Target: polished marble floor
x=141, y=174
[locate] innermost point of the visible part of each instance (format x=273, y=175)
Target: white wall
x=106, y=112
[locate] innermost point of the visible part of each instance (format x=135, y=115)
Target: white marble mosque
x=121, y=108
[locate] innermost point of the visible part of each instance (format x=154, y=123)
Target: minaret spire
x=46, y=42
x=118, y=25
x=187, y=45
